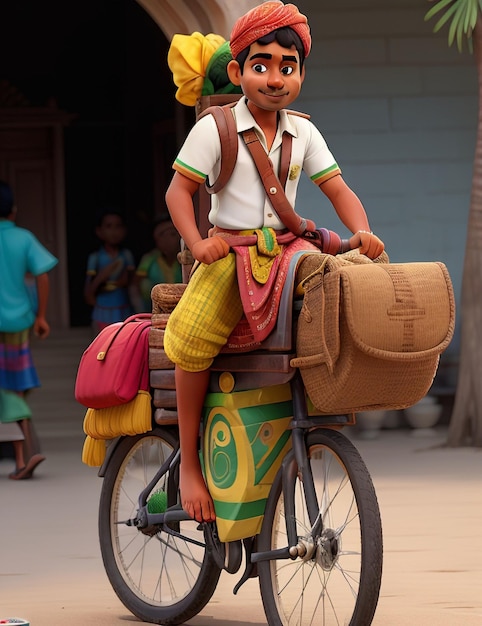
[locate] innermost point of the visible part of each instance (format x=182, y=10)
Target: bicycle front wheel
x=337, y=579
x=161, y=577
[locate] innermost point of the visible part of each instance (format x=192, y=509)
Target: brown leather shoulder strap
x=285, y=159
x=228, y=135
x=275, y=192
x=226, y=126
x=286, y=149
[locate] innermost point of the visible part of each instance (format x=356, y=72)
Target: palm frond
x=438, y=6
x=455, y=27
x=451, y=11
x=463, y=15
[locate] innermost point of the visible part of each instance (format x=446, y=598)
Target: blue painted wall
x=398, y=109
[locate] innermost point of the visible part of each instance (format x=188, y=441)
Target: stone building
x=88, y=117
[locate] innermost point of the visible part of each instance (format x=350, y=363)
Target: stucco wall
x=398, y=108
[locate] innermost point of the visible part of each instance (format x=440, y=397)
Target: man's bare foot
x=195, y=498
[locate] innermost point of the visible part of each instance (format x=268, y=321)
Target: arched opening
x=205, y=16
x=102, y=67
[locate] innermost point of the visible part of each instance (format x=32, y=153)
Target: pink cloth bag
x=115, y=365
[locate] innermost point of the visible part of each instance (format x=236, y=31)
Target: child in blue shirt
x=109, y=273
x=21, y=255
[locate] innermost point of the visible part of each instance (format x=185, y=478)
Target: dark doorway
x=103, y=61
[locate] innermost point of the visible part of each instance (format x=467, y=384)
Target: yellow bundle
x=132, y=418
x=93, y=452
x=198, y=65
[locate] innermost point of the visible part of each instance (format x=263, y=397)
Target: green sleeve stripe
x=330, y=171
x=190, y=172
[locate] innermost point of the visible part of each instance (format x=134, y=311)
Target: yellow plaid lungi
x=206, y=315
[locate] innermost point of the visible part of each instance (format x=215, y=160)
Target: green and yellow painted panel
x=246, y=436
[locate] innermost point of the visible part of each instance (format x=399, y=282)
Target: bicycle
x=318, y=554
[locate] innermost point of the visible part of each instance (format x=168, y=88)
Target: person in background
x=159, y=265
x=109, y=273
x=22, y=256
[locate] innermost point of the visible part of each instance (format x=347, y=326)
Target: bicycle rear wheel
x=160, y=577
x=338, y=580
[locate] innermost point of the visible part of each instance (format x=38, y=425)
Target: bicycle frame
x=294, y=462
x=289, y=491
x=257, y=410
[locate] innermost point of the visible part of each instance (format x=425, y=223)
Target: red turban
x=266, y=18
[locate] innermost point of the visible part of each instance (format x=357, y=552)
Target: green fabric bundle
x=13, y=407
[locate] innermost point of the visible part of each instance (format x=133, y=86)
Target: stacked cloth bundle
x=113, y=383
x=198, y=64
x=101, y=425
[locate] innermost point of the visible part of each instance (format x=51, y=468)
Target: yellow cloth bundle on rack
x=188, y=58
x=93, y=452
x=132, y=418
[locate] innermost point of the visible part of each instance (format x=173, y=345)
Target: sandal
x=26, y=472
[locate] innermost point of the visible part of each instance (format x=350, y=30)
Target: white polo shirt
x=242, y=203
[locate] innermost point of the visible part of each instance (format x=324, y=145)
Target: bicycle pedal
x=233, y=556
x=227, y=556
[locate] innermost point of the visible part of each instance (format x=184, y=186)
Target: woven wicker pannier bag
x=370, y=335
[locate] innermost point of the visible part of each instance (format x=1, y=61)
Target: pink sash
x=260, y=301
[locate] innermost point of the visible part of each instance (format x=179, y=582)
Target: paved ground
x=50, y=566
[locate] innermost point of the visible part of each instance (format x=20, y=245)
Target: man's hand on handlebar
x=368, y=243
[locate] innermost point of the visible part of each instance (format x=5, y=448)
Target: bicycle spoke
x=324, y=586
x=158, y=574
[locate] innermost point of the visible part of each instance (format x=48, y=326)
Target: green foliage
x=463, y=16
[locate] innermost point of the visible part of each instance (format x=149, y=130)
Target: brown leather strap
x=272, y=185
x=227, y=130
x=228, y=135
x=285, y=159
